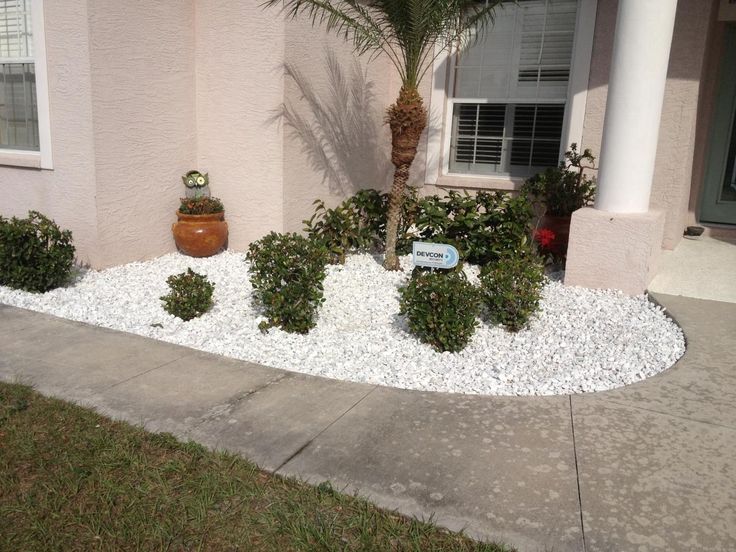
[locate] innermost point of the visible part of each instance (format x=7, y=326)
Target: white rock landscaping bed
x=581, y=340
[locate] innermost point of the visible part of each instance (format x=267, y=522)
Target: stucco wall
x=239, y=82
x=335, y=140
x=66, y=193
x=673, y=172
x=143, y=97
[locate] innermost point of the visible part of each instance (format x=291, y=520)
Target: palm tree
x=411, y=33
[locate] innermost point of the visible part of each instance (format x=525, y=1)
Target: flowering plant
x=545, y=238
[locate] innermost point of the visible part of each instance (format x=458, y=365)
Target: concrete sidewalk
x=648, y=467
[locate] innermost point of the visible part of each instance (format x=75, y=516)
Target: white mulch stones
x=581, y=340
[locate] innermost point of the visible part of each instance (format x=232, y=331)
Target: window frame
x=41, y=158
x=439, y=131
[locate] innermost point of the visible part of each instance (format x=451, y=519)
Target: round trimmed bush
x=287, y=272
x=511, y=288
x=35, y=254
x=190, y=295
x=441, y=309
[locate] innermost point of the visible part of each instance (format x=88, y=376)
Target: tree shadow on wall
x=340, y=129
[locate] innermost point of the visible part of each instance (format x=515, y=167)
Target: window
x=25, y=138
x=508, y=91
x=18, y=103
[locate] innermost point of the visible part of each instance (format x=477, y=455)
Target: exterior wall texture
x=143, y=100
x=239, y=65
x=67, y=193
x=278, y=113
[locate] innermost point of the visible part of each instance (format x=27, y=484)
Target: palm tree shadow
x=339, y=131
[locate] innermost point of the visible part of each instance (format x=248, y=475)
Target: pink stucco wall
x=143, y=101
x=240, y=79
x=68, y=192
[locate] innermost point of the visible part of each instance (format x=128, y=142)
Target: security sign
x=434, y=255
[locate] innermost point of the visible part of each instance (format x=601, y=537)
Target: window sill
x=26, y=159
x=480, y=182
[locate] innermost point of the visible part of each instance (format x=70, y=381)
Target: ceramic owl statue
x=197, y=184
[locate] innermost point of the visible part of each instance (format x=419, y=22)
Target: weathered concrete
x=499, y=467
x=646, y=467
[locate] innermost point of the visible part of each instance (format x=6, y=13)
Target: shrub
x=566, y=188
x=511, y=288
x=35, y=254
x=482, y=227
x=202, y=205
x=441, y=309
x=357, y=224
x=190, y=295
x=287, y=272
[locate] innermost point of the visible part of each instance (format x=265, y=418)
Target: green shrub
x=511, y=288
x=357, y=224
x=564, y=189
x=482, y=227
x=441, y=309
x=287, y=272
x=202, y=205
x=35, y=254
x=190, y=295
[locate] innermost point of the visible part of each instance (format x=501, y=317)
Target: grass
x=71, y=479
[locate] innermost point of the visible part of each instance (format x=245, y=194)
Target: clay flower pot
x=200, y=235
x=561, y=227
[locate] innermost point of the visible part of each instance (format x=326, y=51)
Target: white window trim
x=43, y=158
x=439, y=131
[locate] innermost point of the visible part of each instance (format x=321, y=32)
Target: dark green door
x=719, y=192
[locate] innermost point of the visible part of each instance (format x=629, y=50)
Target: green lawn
x=71, y=479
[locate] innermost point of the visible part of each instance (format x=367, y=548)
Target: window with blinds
x=509, y=90
x=18, y=103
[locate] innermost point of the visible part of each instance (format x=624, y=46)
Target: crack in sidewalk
x=577, y=475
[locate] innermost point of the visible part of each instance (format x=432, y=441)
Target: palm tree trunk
x=407, y=119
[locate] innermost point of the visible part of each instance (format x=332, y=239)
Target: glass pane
x=525, y=54
x=505, y=139
x=18, y=110
x=728, y=190
x=15, y=29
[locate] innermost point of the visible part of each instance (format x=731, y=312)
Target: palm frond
x=410, y=33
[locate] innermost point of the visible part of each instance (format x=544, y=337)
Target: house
x=105, y=104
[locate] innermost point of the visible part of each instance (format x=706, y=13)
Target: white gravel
x=581, y=340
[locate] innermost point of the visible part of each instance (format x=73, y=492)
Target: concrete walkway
x=648, y=467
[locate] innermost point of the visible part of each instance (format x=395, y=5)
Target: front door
x=719, y=192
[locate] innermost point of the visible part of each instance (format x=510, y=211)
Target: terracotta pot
x=200, y=235
x=561, y=227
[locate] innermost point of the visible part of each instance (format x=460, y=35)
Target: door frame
x=722, y=133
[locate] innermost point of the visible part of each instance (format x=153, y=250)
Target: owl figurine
x=197, y=184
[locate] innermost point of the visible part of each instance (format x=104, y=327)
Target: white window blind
x=510, y=89
x=18, y=102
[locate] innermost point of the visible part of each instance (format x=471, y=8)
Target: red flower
x=545, y=237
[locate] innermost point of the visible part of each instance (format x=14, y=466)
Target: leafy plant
x=287, y=272
x=482, y=227
x=441, y=309
x=202, y=205
x=35, y=254
x=190, y=295
x=564, y=189
x=357, y=224
x=411, y=37
x=511, y=288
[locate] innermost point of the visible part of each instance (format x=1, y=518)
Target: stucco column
x=617, y=243
x=641, y=52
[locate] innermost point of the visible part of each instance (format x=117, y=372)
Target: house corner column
x=616, y=244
